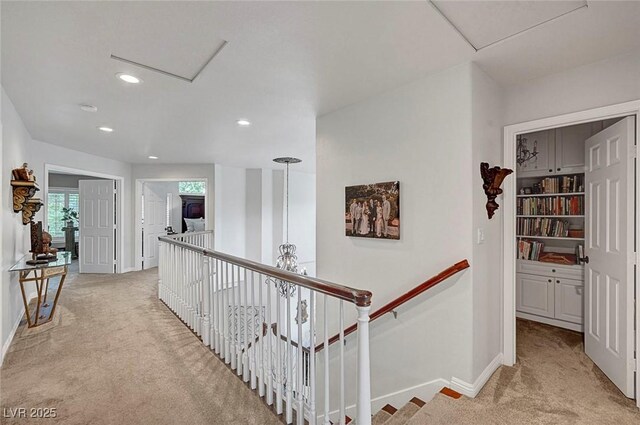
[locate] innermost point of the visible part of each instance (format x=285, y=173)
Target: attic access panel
x=176, y=53
x=484, y=23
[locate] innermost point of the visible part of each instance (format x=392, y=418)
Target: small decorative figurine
x=493, y=178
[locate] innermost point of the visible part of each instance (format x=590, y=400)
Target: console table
x=41, y=274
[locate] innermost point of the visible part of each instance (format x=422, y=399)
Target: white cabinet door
x=570, y=148
x=542, y=164
x=535, y=294
x=569, y=300
x=609, y=289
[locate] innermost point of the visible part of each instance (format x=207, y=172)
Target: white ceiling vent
x=485, y=23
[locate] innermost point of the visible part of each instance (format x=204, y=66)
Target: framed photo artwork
x=373, y=210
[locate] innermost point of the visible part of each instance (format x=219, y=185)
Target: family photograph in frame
x=373, y=210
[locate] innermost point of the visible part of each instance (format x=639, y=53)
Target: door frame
x=119, y=245
x=509, y=220
x=137, y=249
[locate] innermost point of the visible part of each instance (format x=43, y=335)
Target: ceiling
x=285, y=63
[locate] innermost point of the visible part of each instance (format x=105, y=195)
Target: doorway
x=166, y=206
x=603, y=308
x=62, y=189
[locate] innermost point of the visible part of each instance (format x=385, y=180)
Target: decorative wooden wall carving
x=24, y=191
x=493, y=178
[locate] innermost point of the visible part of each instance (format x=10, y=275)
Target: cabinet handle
x=549, y=280
x=551, y=170
x=557, y=281
x=553, y=270
x=558, y=169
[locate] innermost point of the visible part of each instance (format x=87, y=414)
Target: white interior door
x=155, y=222
x=609, y=294
x=97, y=226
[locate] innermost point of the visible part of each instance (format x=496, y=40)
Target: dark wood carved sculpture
x=493, y=178
x=41, y=249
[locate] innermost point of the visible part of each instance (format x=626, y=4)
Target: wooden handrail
x=445, y=274
x=358, y=297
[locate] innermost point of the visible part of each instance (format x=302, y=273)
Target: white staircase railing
x=262, y=322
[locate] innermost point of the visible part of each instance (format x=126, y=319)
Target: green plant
x=69, y=215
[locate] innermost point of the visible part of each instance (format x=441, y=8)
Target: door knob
x=584, y=259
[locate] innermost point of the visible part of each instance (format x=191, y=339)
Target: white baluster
x=278, y=344
x=240, y=369
x=213, y=271
x=234, y=319
x=263, y=320
x=206, y=302
x=218, y=303
x=341, y=342
x=268, y=318
x=363, y=372
x=245, y=343
x=252, y=353
x=300, y=369
x=225, y=317
x=312, y=358
x=160, y=269
x=326, y=361
x=289, y=380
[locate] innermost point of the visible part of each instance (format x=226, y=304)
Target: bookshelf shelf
x=537, y=195
x=550, y=215
x=563, y=238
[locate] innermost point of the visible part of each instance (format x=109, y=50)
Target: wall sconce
x=492, y=178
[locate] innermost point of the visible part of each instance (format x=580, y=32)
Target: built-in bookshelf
x=549, y=215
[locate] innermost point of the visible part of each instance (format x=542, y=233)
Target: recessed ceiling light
x=153, y=157
x=128, y=78
x=88, y=108
x=105, y=129
x=243, y=123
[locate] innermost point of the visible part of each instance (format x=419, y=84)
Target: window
x=57, y=200
x=191, y=188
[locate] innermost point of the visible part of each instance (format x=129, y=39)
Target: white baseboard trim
x=425, y=391
x=553, y=322
x=472, y=390
x=12, y=334
x=130, y=269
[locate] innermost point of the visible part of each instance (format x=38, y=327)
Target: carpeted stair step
x=402, y=416
x=441, y=409
x=383, y=415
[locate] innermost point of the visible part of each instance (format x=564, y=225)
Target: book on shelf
x=552, y=205
x=579, y=253
x=562, y=184
x=529, y=250
x=550, y=227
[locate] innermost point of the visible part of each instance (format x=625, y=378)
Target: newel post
x=206, y=307
x=363, y=368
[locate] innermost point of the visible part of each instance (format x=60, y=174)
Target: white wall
x=302, y=218
x=40, y=153
x=15, y=235
x=488, y=115
x=68, y=180
x=613, y=80
x=230, y=210
x=419, y=134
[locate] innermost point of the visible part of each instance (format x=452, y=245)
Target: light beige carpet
x=117, y=355
x=553, y=383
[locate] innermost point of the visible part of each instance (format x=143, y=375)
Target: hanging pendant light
x=287, y=260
